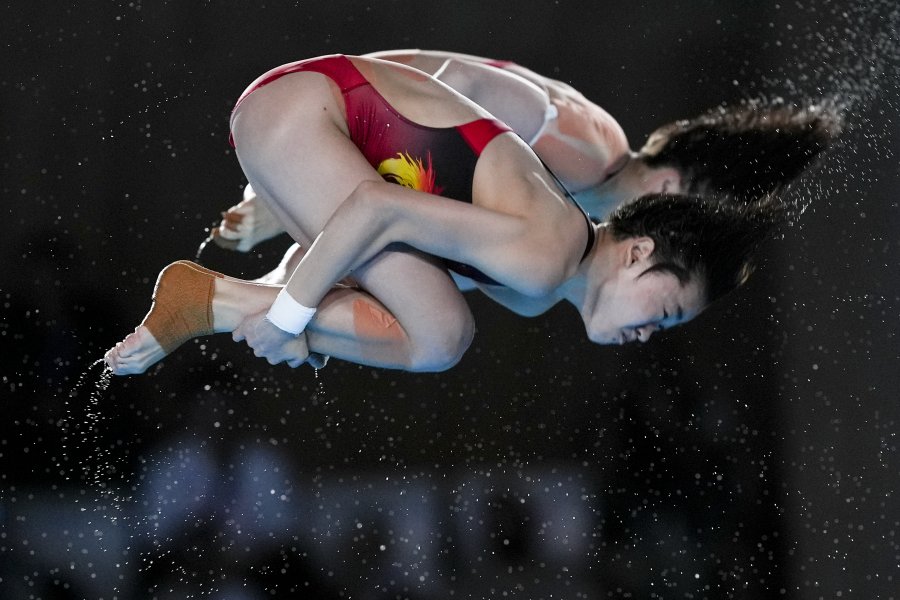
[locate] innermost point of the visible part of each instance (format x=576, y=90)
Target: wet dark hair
x=747, y=150
x=701, y=237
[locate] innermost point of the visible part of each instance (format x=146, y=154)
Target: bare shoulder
x=510, y=179
x=580, y=117
x=508, y=176
x=584, y=145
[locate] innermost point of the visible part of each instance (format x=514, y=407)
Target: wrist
x=289, y=315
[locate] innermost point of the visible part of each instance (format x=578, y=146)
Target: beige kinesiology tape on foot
x=182, y=304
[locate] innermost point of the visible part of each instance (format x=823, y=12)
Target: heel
x=182, y=304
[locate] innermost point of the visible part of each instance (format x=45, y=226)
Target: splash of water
x=845, y=57
x=81, y=429
x=320, y=385
x=209, y=238
x=84, y=432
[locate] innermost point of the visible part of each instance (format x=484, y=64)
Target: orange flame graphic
x=410, y=172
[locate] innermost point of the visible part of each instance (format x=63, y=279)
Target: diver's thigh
x=304, y=164
x=295, y=152
x=419, y=292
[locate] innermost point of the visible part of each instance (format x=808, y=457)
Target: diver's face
x=634, y=305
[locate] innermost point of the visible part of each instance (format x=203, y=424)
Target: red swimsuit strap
x=478, y=133
x=500, y=64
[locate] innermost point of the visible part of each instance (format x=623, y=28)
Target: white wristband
x=289, y=315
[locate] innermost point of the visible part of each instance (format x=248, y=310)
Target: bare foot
x=181, y=310
x=135, y=354
x=247, y=224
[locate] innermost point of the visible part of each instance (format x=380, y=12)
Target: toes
x=229, y=233
x=245, y=245
x=126, y=347
x=232, y=220
x=134, y=354
x=114, y=361
x=222, y=241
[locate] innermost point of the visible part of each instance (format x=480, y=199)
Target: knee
x=444, y=346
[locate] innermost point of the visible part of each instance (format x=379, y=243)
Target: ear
x=640, y=249
x=665, y=180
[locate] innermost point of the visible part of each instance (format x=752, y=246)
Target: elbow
x=544, y=279
x=531, y=310
x=365, y=195
x=370, y=203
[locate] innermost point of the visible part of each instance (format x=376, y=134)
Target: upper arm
x=511, y=239
x=511, y=99
x=516, y=242
x=526, y=306
x=447, y=228
x=520, y=102
x=429, y=61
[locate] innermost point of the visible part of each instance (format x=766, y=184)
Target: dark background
x=750, y=454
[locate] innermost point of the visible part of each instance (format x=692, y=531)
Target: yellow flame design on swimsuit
x=409, y=172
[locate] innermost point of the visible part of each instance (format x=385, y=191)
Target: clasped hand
x=275, y=345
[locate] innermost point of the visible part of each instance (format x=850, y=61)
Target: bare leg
x=190, y=301
x=278, y=129
x=183, y=307
x=410, y=316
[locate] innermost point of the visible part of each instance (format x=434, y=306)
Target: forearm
x=353, y=235
x=350, y=324
x=378, y=214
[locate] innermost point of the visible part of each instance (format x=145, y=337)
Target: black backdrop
x=751, y=454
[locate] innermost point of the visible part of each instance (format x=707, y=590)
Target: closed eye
x=678, y=318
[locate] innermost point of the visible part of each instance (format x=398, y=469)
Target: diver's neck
x=581, y=289
x=603, y=198
x=598, y=201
